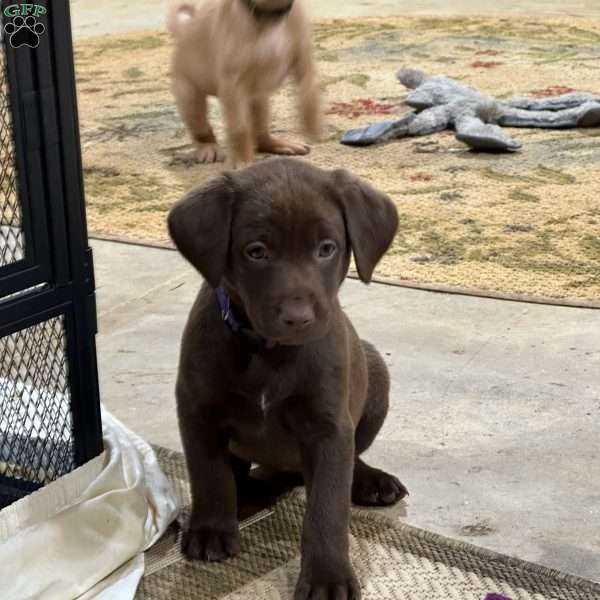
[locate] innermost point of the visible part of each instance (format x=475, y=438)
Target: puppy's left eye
x=257, y=251
x=327, y=249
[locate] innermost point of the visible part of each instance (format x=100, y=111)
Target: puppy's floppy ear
x=371, y=220
x=200, y=226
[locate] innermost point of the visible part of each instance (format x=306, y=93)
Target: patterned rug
x=524, y=224
x=393, y=561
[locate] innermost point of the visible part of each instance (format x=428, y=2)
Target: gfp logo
x=25, y=29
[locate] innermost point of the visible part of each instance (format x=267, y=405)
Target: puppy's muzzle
x=296, y=315
x=268, y=10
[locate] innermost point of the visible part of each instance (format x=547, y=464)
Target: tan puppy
x=242, y=51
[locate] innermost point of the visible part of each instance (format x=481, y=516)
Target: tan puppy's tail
x=179, y=15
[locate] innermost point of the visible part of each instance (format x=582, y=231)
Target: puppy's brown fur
x=229, y=49
x=278, y=237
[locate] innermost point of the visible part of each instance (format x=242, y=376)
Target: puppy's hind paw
x=373, y=487
x=233, y=164
x=275, y=145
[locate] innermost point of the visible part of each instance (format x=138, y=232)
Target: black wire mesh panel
x=50, y=419
x=36, y=439
x=11, y=236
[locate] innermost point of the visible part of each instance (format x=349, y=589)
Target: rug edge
x=405, y=528
x=438, y=288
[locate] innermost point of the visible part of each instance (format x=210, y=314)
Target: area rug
x=526, y=224
x=393, y=561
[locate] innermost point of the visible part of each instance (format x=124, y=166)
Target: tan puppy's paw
x=275, y=145
x=209, y=153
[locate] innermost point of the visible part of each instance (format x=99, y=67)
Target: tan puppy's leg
x=236, y=112
x=265, y=142
x=193, y=108
x=309, y=93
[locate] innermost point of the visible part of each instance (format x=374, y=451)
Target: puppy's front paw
x=209, y=153
x=341, y=588
x=207, y=543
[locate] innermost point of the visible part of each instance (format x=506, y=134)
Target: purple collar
x=256, y=341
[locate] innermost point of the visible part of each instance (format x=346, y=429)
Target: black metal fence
x=49, y=404
x=11, y=235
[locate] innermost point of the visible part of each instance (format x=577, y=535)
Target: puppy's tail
x=179, y=15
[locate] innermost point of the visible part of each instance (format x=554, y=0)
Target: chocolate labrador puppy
x=271, y=369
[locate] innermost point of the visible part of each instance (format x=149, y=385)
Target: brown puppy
x=284, y=381
x=242, y=51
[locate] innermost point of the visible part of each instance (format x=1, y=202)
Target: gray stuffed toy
x=442, y=103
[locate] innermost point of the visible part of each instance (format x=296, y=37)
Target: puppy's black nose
x=297, y=314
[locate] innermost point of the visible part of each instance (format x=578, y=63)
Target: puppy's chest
x=262, y=389
x=261, y=397
x=257, y=422
x=270, y=58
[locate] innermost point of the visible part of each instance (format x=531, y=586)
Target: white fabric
x=82, y=536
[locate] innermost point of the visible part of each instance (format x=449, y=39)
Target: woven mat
x=525, y=224
x=393, y=561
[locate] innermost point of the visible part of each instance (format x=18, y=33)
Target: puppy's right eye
x=257, y=251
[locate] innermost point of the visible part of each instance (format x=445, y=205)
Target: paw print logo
x=24, y=31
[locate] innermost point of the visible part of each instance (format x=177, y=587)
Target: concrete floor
x=112, y=16
x=494, y=418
